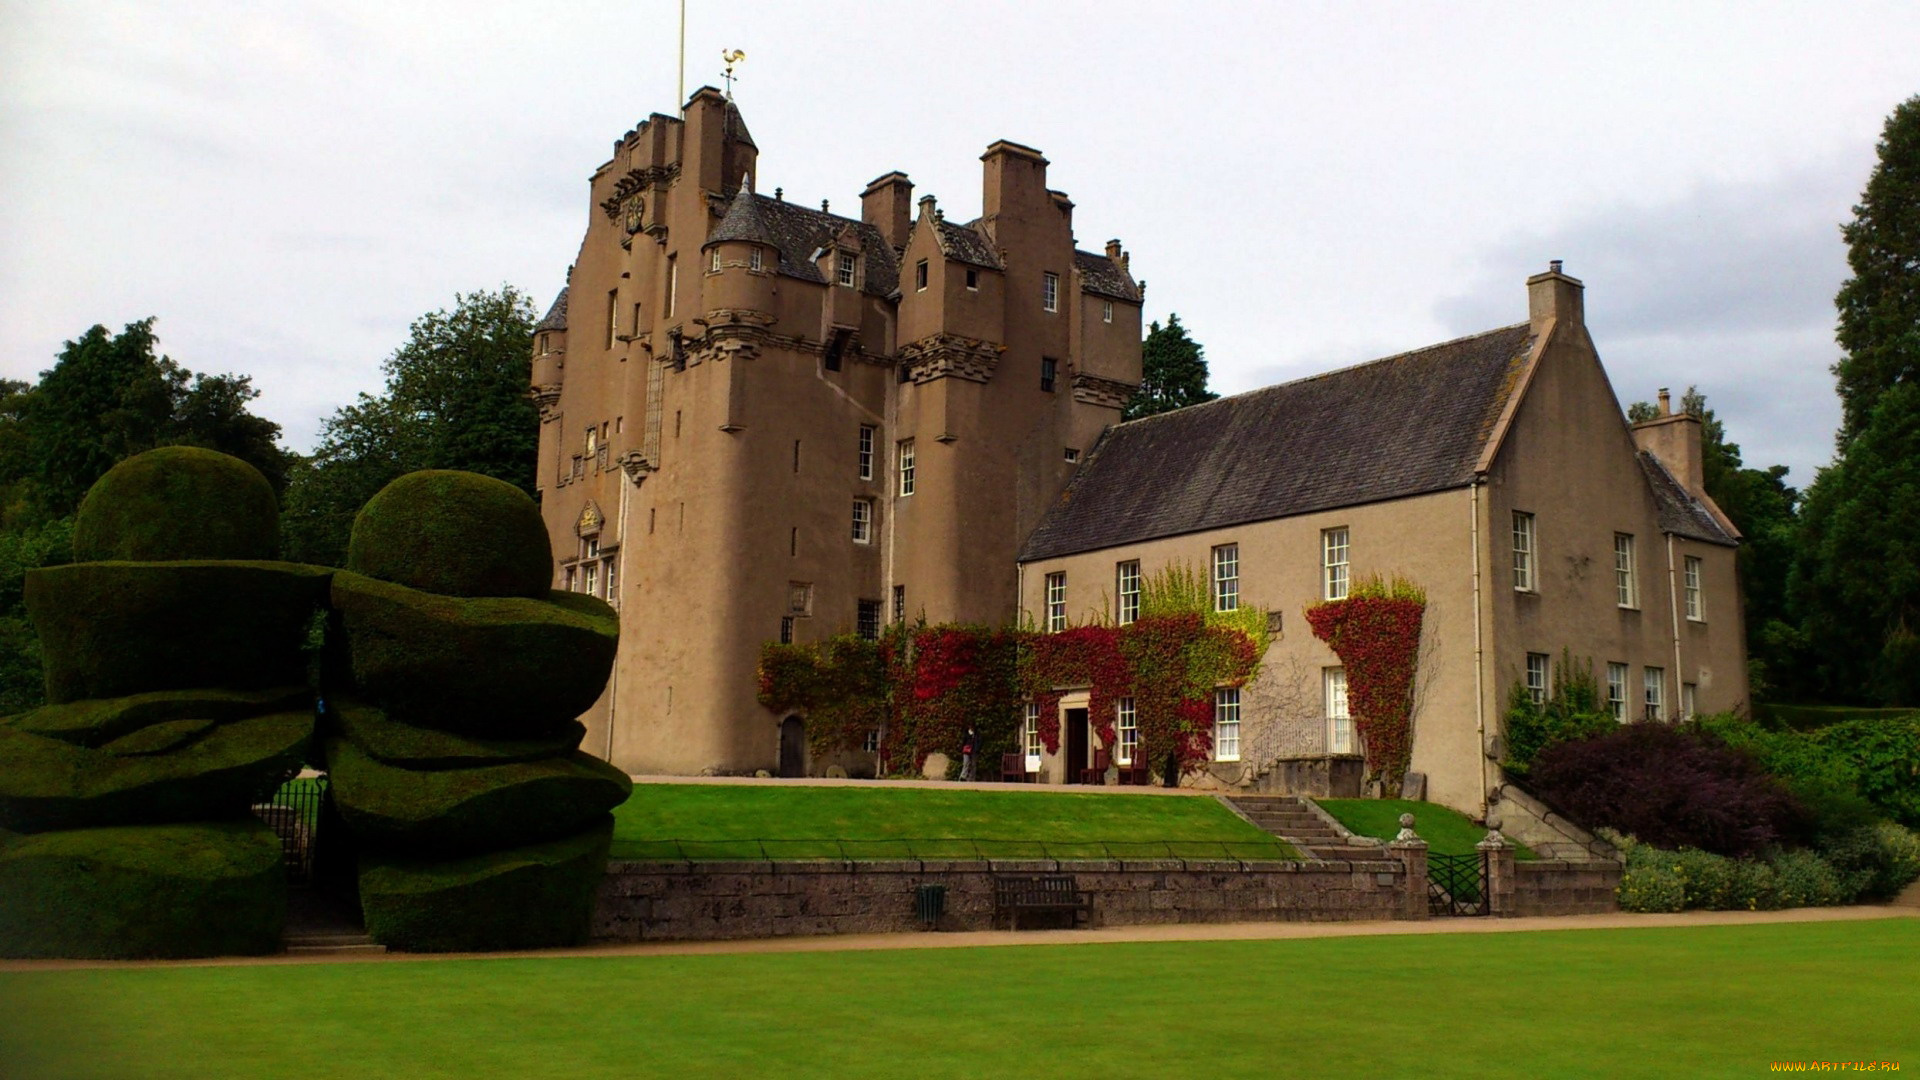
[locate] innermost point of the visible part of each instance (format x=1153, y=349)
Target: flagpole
x=681, y=97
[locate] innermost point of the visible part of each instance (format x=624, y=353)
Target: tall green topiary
x=453, y=533
x=178, y=502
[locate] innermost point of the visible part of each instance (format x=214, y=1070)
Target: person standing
x=969, y=749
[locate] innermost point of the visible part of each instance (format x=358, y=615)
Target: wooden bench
x=1013, y=894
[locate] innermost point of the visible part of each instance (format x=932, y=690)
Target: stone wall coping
x=1005, y=866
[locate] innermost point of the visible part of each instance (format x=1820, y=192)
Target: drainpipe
x=1673, y=609
x=1479, y=683
x=613, y=677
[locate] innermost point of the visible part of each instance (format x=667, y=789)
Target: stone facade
x=1565, y=888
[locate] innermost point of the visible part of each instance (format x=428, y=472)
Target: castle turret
x=550, y=355
x=742, y=257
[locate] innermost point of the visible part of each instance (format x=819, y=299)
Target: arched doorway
x=793, y=747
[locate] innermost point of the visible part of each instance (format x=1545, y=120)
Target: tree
x=455, y=398
x=1856, y=575
x=1173, y=372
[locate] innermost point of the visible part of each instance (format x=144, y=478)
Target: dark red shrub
x=1670, y=786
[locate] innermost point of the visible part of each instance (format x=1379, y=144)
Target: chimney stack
x=887, y=205
x=1666, y=402
x=1674, y=438
x=1555, y=297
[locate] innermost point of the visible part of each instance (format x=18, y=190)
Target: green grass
x=1712, y=1001
x=1814, y=717
x=724, y=821
x=1447, y=832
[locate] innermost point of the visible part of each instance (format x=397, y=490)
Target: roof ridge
x=1326, y=374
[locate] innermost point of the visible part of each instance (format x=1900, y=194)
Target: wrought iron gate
x=294, y=813
x=1457, y=884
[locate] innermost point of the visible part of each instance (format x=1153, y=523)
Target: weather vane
x=732, y=57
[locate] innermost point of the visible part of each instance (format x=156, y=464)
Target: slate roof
x=796, y=232
x=743, y=222
x=1680, y=513
x=556, y=318
x=1102, y=276
x=966, y=244
x=1400, y=426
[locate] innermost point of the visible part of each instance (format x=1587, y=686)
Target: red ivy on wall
x=1375, y=632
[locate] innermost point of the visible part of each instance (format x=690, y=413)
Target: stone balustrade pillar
x=1412, y=853
x=1500, y=874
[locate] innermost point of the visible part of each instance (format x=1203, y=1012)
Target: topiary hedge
x=457, y=811
x=178, y=502
x=409, y=747
x=534, y=897
x=117, y=628
x=143, y=891
x=100, y=721
x=456, y=533
x=488, y=667
x=48, y=784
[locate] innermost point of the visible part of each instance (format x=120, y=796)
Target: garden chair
x=1013, y=768
x=1098, y=773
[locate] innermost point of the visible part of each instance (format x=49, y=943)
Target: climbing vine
x=1375, y=631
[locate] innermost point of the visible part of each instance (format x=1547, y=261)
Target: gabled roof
x=1680, y=512
x=1400, y=426
x=1102, y=276
x=966, y=244
x=797, y=232
x=556, y=315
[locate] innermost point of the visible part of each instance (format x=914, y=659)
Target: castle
x=762, y=421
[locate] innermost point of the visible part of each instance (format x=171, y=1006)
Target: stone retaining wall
x=1565, y=888
x=650, y=901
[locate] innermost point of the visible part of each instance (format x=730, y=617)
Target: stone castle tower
x=763, y=421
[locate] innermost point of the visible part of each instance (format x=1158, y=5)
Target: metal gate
x=1457, y=884
x=294, y=813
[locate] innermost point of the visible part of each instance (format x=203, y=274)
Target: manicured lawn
x=1447, y=832
x=722, y=821
x=1695, y=1002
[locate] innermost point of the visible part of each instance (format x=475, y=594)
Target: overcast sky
x=1308, y=185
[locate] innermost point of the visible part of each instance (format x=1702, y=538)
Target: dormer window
x=1050, y=292
x=848, y=267
x=920, y=276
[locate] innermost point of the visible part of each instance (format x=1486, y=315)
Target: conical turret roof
x=744, y=221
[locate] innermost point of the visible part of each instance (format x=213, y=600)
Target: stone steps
x=1287, y=817
x=309, y=944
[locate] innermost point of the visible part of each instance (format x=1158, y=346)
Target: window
x=1686, y=700
x=796, y=455
x=1523, y=577
x=1128, y=728
x=866, y=451
x=872, y=745
x=905, y=455
x=973, y=279
x=1072, y=454
x=1127, y=586
x=867, y=622
x=1226, y=577
x=571, y=587
x=847, y=267
x=1106, y=311
x=1049, y=367
x=1695, y=610
x=590, y=579
x=1339, y=720
x=899, y=603
x=1655, y=685
x=1030, y=737
x=593, y=440
x=634, y=326
x=1333, y=564
x=613, y=317
x=799, y=598
x=1056, y=601
x=920, y=276
x=793, y=540
x=786, y=629
x=1050, y=292
x=1537, y=677
x=756, y=261
x=613, y=581
x=863, y=521
x=1617, y=691
x=673, y=283
x=1226, y=724
x=713, y=261
x=1625, y=587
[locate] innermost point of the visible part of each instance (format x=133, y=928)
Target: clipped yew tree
x=177, y=699
x=454, y=676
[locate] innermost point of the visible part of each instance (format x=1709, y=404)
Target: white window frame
x=863, y=521
x=1617, y=690
x=1336, y=553
x=1226, y=724
x=846, y=268
x=1030, y=737
x=755, y=260
x=1126, y=589
x=1333, y=697
x=920, y=276
x=1226, y=577
x=1539, y=671
x=1689, y=696
x=1056, y=601
x=1106, y=311
x=1653, y=687
x=872, y=743
x=713, y=261
x=613, y=580
x=866, y=451
x=1126, y=731
x=1696, y=610
x=1050, y=291
x=1626, y=577
x=590, y=578
x=673, y=284
x=1524, y=578
x=903, y=451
